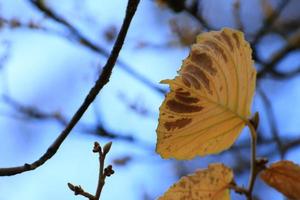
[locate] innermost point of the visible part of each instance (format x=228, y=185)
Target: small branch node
x=97, y=148
x=108, y=171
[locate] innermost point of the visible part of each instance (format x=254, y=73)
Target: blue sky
x=54, y=74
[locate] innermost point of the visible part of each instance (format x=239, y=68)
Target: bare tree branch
x=24, y=112
x=29, y=112
x=237, y=15
x=285, y=75
x=102, y=80
x=291, y=145
x=81, y=39
x=193, y=10
x=293, y=43
x=272, y=121
x=268, y=23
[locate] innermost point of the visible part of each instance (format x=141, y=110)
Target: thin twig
x=293, y=43
x=256, y=164
x=272, y=121
x=101, y=178
x=237, y=15
x=102, y=80
x=82, y=40
x=237, y=189
x=268, y=23
x=103, y=173
x=193, y=10
x=25, y=112
x=253, y=171
x=266, y=28
x=277, y=75
x=79, y=191
x=34, y=113
x=291, y=145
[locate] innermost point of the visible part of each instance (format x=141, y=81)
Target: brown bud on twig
x=106, y=148
x=108, y=171
x=261, y=163
x=76, y=189
x=97, y=147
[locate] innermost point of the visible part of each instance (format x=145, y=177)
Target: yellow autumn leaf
x=208, y=184
x=209, y=102
x=284, y=176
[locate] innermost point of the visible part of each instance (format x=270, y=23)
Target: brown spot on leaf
x=199, y=74
x=180, y=123
x=183, y=93
x=218, y=50
x=185, y=99
x=178, y=107
x=166, y=136
x=227, y=40
x=186, y=81
x=192, y=81
x=236, y=38
x=204, y=61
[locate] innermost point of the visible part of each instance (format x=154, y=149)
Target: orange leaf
x=284, y=176
x=207, y=184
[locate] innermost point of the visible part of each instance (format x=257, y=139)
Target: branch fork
x=103, y=173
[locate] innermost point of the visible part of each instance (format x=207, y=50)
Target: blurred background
x=51, y=53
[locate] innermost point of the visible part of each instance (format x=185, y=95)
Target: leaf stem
x=253, y=169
